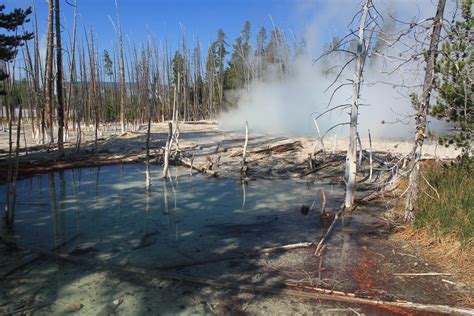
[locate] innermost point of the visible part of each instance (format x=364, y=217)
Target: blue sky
x=318, y=19
x=162, y=18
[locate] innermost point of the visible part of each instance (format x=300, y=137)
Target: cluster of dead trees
x=414, y=35
x=76, y=87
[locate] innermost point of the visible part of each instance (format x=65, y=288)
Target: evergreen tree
x=108, y=64
x=454, y=79
x=238, y=71
x=9, y=43
x=178, y=67
x=260, y=52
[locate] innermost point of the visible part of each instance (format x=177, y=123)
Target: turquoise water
x=183, y=218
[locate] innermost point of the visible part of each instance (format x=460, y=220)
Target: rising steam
x=288, y=106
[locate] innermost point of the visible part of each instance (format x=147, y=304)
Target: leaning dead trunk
x=421, y=122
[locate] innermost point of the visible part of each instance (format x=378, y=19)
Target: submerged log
x=238, y=255
x=35, y=256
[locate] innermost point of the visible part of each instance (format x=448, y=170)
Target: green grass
x=452, y=212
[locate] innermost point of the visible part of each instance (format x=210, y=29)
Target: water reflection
x=185, y=217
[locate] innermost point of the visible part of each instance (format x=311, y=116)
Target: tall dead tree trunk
x=71, y=96
x=49, y=74
x=351, y=158
x=59, y=80
x=122, y=72
x=423, y=106
x=150, y=112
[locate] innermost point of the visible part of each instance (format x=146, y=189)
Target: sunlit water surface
x=181, y=219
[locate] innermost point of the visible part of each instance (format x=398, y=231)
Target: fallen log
x=281, y=148
x=190, y=164
x=21, y=311
x=280, y=289
x=319, y=168
x=239, y=255
x=422, y=274
x=27, y=169
x=34, y=257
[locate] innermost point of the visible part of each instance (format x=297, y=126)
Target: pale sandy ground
x=213, y=134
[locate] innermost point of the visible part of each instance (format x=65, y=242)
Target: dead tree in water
x=244, y=152
x=166, y=162
x=146, y=84
x=423, y=105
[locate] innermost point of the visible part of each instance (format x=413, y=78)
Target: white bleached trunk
x=167, y=150
x=351, y=158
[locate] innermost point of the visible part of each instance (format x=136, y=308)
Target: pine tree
x=238, y=72
x=108, y=64
x=9, y=44
x=454, y=79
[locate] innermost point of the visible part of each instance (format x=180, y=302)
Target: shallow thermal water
x=106, y=214
x=181, y=219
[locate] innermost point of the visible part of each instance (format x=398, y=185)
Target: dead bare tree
x=244, y=167
x=122, y=71
x=421, y=116
x=146, y=77
x=362, y=51
x=367, y=25
x=59, y=80
x=168, y=150
x=49, y=73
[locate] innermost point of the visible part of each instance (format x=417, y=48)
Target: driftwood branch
x=317, y=252
x=193, y=166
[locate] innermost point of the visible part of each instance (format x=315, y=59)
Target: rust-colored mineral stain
x=363, y=274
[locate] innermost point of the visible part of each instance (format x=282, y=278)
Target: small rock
x=74, y=307
x=415, y=264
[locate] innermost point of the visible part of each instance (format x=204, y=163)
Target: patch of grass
x=445, y=206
